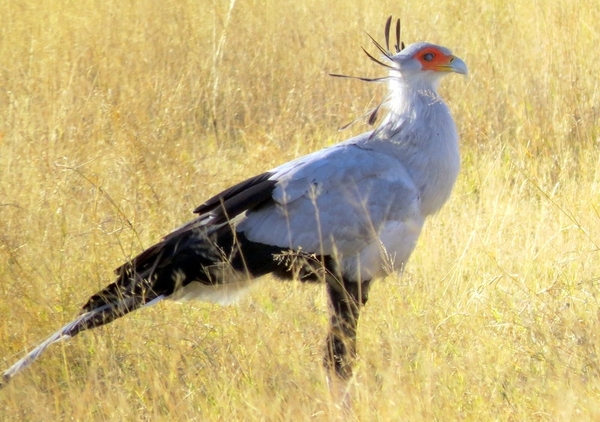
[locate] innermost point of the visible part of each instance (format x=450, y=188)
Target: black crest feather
x=387, y=54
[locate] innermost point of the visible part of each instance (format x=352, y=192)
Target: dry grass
x=119, y=117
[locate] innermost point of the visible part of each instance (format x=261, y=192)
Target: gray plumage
x=344, y=215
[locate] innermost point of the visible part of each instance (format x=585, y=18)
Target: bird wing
x=337, y=201
x=334, y=201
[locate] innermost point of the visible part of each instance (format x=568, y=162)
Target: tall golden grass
x=118, y=118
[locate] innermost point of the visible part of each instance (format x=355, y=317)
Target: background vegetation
x=118, y=117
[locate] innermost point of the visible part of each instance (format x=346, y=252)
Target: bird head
x=424, y=64
x=416, y=68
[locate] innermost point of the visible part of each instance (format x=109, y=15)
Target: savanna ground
x=118, y=118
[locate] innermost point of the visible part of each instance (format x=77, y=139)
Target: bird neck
x=420, y=132
x=410, y=97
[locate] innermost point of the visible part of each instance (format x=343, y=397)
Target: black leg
x=345, y=298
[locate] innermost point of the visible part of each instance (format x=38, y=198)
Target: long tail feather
x=82, y=322
x=205, y=251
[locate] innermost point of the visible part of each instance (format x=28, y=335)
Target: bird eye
x=428, y=57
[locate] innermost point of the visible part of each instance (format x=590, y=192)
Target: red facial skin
x=433, y=59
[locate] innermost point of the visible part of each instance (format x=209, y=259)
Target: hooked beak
x=454, y=64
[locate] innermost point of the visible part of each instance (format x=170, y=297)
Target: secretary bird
x=344, y=215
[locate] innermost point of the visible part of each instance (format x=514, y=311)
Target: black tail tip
x=4, y=381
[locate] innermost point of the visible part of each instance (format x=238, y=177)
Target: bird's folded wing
x=336, y=199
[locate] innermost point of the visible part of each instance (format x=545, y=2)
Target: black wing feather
x=232, y=192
